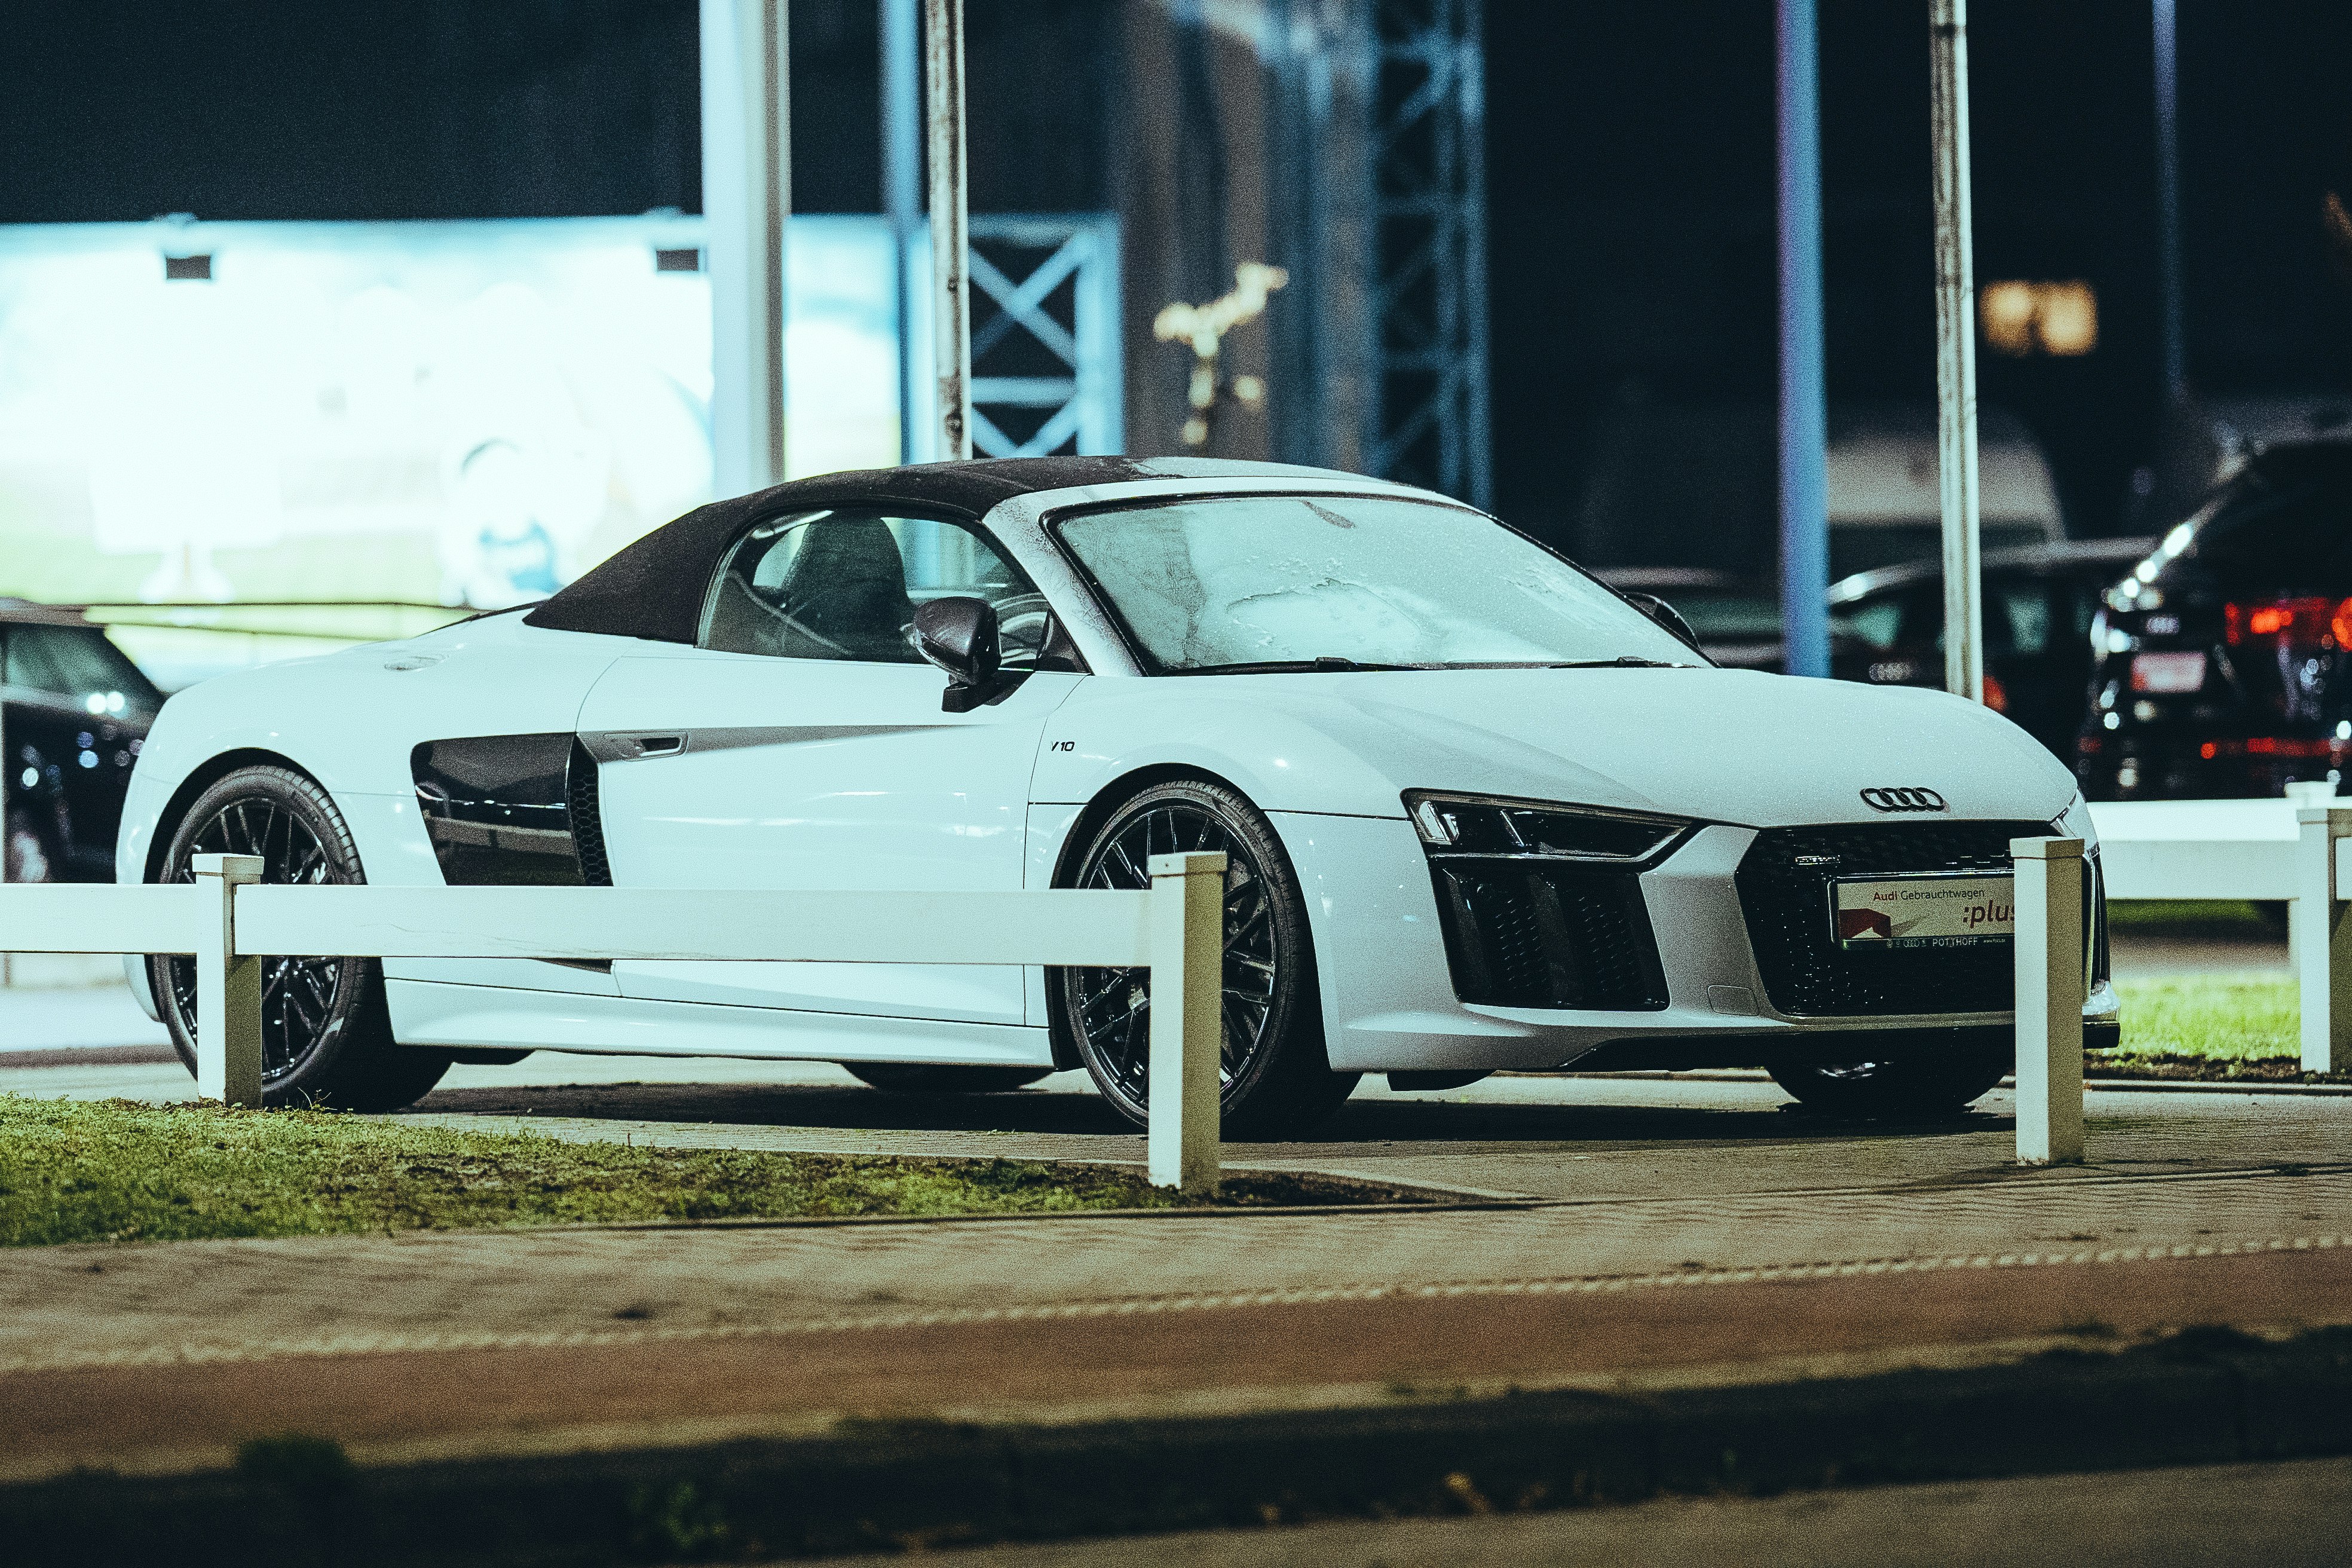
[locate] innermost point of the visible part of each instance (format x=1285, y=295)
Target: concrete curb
x=2207, y=1395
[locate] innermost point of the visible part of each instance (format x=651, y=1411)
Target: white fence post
x=1188, y=983
x=2322, y=939
x=228, y=988
x=2050, y=980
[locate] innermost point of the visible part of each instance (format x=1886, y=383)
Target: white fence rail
x=229, y=922
x=2288, y=849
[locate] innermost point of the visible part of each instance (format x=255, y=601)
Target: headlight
x=2075, y=823
x=1482, y=825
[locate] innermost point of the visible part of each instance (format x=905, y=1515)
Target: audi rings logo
x=1903, y=800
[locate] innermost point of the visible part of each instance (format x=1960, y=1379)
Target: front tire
x=1921, y=1086
x=326, y=1034
x=1277, y=1078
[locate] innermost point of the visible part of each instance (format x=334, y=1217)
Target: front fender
x=1290, y=750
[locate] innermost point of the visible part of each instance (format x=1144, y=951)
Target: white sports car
x=1483, y=811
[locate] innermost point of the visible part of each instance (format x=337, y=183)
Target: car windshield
x=1252, y=582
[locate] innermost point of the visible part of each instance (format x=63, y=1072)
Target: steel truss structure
x=1045, y=338
x=1430, y=422
x=1378, y=181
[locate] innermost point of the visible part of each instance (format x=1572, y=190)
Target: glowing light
x=30, y=777
x=95, y=702
x=2020, y=319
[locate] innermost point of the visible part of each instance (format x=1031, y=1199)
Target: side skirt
x=429, y=1013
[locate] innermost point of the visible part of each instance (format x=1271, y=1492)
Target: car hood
x=1738, y=746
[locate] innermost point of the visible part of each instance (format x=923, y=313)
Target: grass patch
x=2211, y=1029
x=2216, y=1018
x=117, y=1170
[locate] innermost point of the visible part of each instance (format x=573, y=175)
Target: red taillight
x=1996, y=695
x=2274, y=746
x=2302, y=622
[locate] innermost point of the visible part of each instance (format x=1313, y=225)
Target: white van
x=1885, y=504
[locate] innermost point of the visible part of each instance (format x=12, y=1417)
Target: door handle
x=657, y=745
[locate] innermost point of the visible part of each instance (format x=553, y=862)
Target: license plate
x=1894, y=912
x=2174, y=672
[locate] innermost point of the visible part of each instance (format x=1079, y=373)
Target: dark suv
x=74, y=711
x=2219, y=665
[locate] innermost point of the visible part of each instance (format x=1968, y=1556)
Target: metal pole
x=1955, y=354
x=952, y=288
x=1804, y=425
x=2167, y=200
x=746, y=195
x=902, y=189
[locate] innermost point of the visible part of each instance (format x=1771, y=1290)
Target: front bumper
x=1389, y=1002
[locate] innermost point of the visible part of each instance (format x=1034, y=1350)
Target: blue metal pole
x=902, y=191
x=1805, y=422
x=2168, y=198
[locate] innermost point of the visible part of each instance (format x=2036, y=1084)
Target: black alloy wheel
x=326, y=1036
x=1274, y=1076
x=1940, y=1085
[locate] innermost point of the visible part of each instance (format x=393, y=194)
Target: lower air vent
x=1533, y=933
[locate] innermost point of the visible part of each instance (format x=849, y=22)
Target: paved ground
x=2228, y=1516
x=1658, y=1232
x=1689, y=1231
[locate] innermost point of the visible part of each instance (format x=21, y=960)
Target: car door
x=803, y=743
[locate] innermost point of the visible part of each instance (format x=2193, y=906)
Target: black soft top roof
x=654, y=588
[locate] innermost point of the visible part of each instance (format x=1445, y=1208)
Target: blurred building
x=386, y=266
x=1513, y=229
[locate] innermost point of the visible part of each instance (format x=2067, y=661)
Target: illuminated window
x=2022, y=319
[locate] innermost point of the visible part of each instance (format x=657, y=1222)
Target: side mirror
x=1666, y=615
x=959, y=636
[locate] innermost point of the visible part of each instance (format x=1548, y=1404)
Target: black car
x=2220, y=663
x=74, y=711
x=2039, y=604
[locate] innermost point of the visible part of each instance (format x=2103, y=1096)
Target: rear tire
x=1277, y=1079
x=900, y=1077
x=326, y=1034
x=1925, y=1086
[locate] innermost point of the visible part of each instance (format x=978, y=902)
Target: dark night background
x=1630, y=172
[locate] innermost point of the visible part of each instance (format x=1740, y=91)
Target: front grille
x=1542, y=933
x=1807, y=974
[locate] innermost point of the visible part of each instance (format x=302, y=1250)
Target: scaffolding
x=1377, y=165
x=1430, y=422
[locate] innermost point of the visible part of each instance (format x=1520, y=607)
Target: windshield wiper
x=1278, y=666
x=1623, y=661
